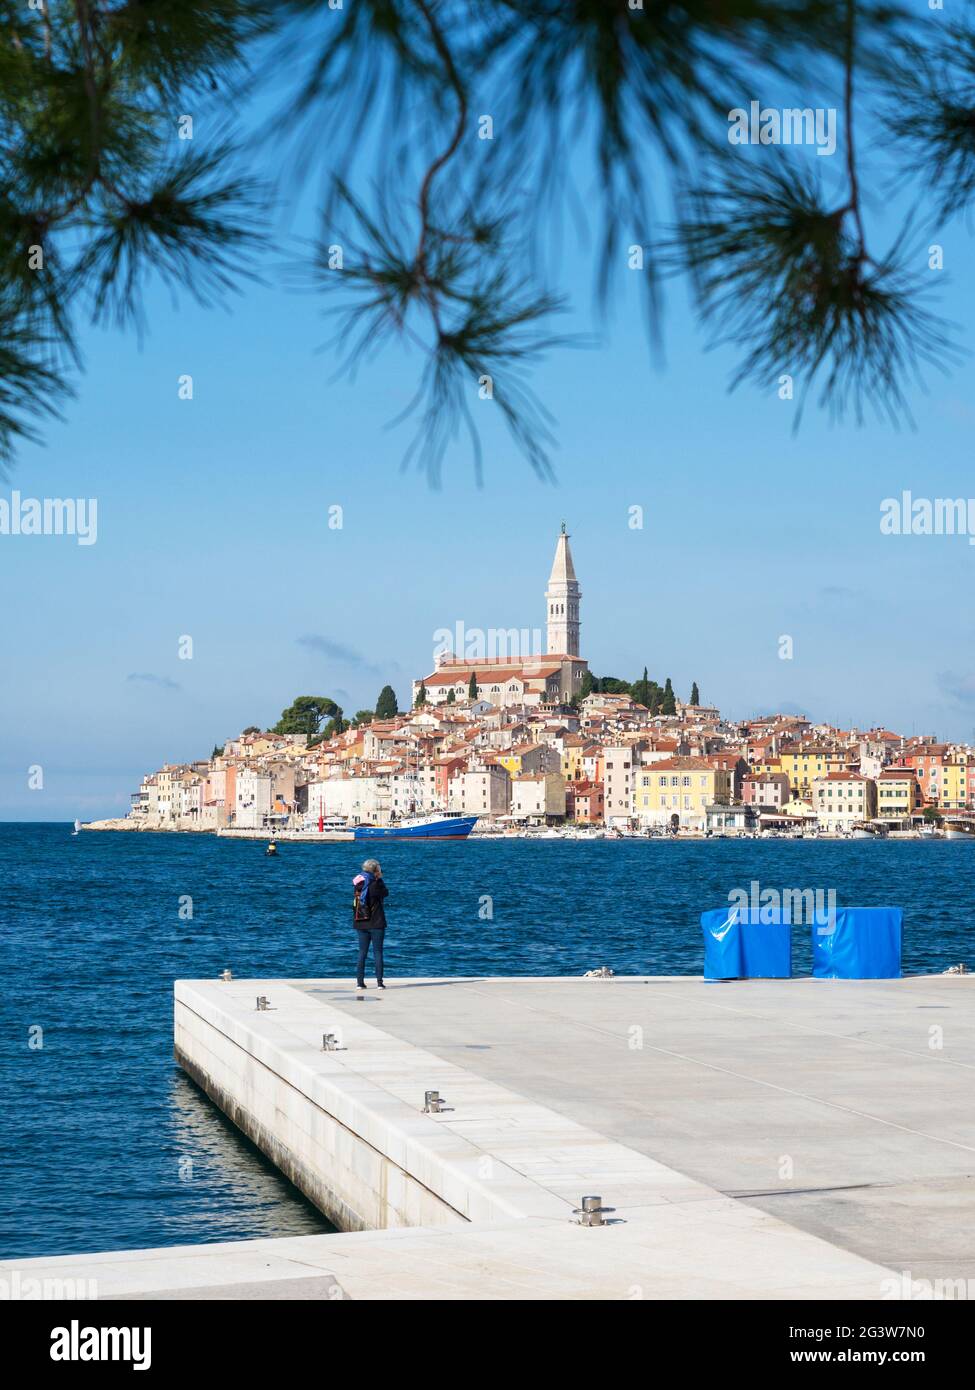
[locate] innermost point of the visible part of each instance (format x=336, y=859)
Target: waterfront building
x=927, y=759
x=253, y=799
x=954, y=785
x=584, y=802
x=842, y=799
x=771, y=790
x=680, y=790
x=618, y=784
x=538, y=796
x=484, y=792
x=725, y=819
x=898, y=795
x=192, y=790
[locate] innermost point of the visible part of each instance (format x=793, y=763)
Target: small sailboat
x=77, y=828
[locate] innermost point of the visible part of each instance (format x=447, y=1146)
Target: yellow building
x=954, y=784
x=897, y=794
x=527, y=759
x=681, y=787
x=804, y=765
x=573, y=750
x=769, y=768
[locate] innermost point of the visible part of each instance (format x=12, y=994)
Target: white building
x=377, y=798
x=191, y=798
x=481, y=792
x=841, y=799
x=538, y=796
x=253, y=799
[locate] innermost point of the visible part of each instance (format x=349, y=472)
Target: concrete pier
x=787, y=1139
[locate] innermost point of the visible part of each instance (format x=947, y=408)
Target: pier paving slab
x=780, y=1139
x=829, y=1103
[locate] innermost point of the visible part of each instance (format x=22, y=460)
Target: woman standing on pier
x=369, y=916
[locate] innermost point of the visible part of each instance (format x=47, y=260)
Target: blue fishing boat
x=420, y=828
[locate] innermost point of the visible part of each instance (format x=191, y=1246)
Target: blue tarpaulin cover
x=861, y=943
x=739, y=946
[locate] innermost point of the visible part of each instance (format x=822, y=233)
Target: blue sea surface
x=107, y=1144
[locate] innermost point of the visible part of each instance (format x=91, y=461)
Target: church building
x=520, y=677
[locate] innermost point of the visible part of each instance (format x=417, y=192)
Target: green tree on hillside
x=695, y=695
x=421, y=696
x=640, y=690
x=451, y=696
x=472, y=687
x=668, y=704
x=308, y=714
x=612, y=685
x=363, y=716
x=386, y=705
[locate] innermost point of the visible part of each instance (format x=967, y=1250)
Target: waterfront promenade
x=760, y=1140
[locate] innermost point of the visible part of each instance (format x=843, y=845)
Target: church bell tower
x=562, y=602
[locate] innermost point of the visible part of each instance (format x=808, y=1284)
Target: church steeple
x=562, y=601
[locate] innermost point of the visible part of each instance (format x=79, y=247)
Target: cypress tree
x=386, y=705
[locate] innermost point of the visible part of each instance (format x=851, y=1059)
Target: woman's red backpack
x=361, y=911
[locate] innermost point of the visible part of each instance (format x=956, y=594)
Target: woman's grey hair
x=371, y=866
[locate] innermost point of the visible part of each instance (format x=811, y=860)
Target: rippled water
x=107, y=1145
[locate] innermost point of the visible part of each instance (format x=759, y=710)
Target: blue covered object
x=859, y=943
x=740, y=946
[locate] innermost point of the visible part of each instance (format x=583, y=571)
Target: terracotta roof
x=500, y=673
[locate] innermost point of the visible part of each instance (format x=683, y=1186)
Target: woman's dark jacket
x=376, y=894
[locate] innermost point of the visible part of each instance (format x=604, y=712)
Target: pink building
x=770, y=790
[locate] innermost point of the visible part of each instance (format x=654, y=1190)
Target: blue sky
x=213, y=523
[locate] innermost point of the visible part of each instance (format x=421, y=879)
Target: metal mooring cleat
x=591, y=1212
x=432, y=1102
